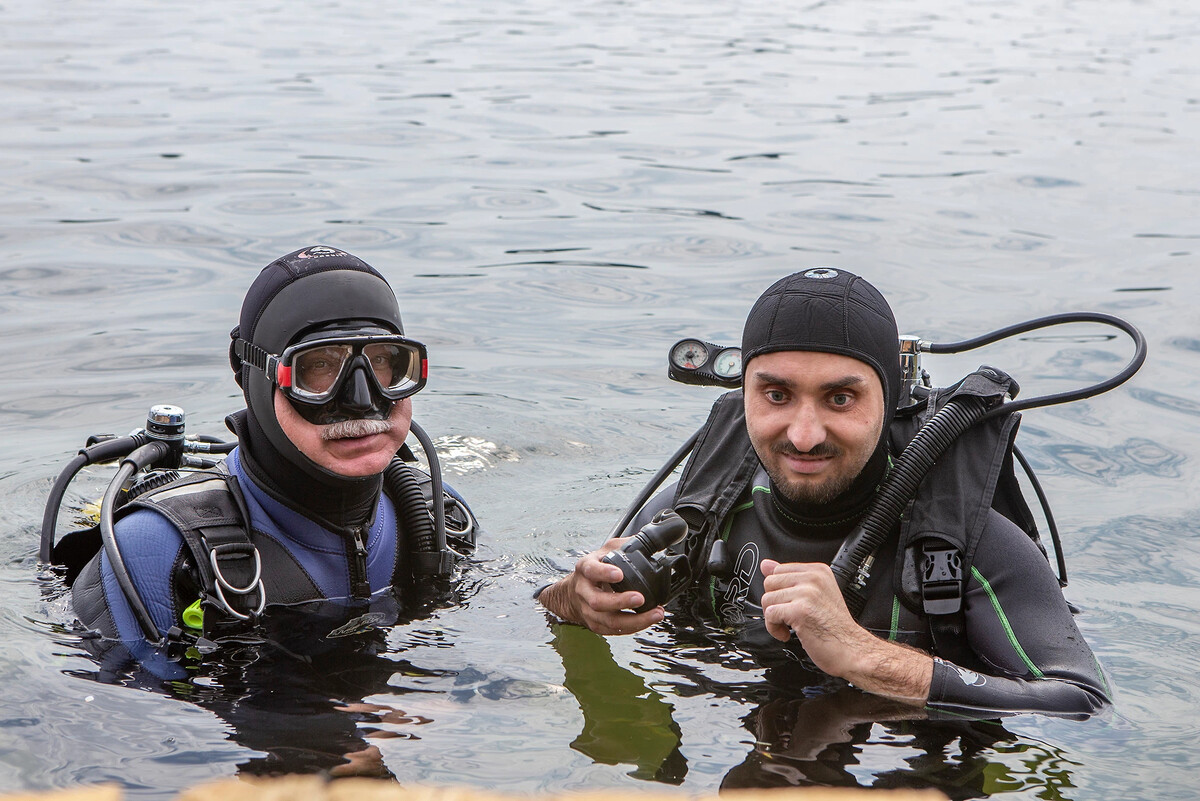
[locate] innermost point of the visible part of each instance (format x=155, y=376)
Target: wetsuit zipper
x=360, y=587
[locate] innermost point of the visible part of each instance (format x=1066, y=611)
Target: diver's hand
x=586, y=597
x=804, y=599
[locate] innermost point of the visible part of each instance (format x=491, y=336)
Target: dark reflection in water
x=818, y=733
x=823, y=741
x=624, y=722
x=1168, y=401
x=303, y=711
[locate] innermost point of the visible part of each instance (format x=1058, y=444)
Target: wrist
x=891, y=669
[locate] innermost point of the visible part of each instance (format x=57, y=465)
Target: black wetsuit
x=1028, y=654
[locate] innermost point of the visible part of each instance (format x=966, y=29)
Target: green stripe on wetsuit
x=1012, y=636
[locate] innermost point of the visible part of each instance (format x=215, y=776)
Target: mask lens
x=316, y=370
x=396, y=367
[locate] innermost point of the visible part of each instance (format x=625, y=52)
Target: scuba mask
x=333, y=375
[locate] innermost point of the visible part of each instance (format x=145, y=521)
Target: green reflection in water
x=624, y=721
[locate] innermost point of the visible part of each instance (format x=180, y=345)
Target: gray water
x=559, y=191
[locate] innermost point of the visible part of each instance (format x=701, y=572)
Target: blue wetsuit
x=154, y=551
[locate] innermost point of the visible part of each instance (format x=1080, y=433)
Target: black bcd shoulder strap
x=210, y=513
x=721, y=466
x=945, y=521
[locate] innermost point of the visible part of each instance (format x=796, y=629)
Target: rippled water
x=559, y=191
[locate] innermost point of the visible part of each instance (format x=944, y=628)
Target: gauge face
x=728, y=363
x=689, y=354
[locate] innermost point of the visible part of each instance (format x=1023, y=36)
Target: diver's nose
x=356, y=393
x=806, y=430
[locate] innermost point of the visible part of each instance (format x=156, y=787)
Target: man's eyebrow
x=845, y=382
x=774, y=380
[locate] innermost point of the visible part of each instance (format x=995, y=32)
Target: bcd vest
x=234, y=570
x=941, y=526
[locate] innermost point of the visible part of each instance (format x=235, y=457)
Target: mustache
x=347, y=429
x=824, y=450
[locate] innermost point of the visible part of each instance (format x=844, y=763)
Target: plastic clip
x=941, y=580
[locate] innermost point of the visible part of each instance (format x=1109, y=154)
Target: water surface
x=558, y=192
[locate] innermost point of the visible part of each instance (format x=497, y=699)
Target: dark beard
x=850, y=501
x=809, y=495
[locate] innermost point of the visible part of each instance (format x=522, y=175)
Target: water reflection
x=818, y=733
x=300, y=712
x=1167, y=401
x=847, y=738
x=624, y=722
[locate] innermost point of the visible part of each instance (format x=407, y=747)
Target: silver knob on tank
x=911, y=374
x=165, y=422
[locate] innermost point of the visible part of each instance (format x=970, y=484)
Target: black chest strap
x=209, y=512
x=717, y=473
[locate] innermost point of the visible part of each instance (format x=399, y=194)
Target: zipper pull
x=360, y=587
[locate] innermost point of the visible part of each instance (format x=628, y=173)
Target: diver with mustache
x=314, y=506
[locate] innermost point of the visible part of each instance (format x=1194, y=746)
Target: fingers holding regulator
x=597, y=572
x=627, y=622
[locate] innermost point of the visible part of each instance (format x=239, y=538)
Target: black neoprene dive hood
x=306, y=289
x=829, y=310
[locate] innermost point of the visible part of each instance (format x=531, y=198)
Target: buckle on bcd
x=237, y=551
x=941, y=579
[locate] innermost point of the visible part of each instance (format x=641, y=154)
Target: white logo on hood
x=821, y=272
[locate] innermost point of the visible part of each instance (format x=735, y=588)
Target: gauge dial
x=728, y=363
x=689, y=354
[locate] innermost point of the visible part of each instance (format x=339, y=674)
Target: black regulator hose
x=1059, y=558
x=209, y=445
x=141, y=458
x=653, y=485
x=103, y=451
x=415, y=526
x=436, y=488
x=853, y=560
x=1135, y=363
x=50, y=515
x=426, y=538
